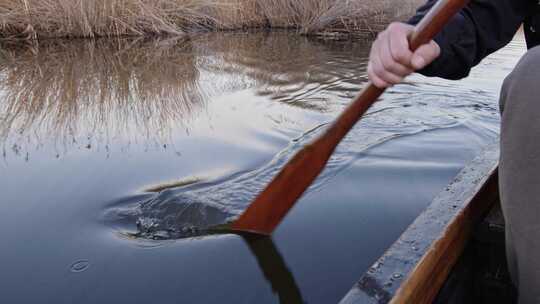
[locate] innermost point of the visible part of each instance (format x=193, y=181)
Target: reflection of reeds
x=299, y=71
x=123, y=91
x=106, y=86
x=90, y=18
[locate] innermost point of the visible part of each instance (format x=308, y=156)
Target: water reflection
x=118, y=92
x=97, y=88
x=269, y=259
x=130, y=94
x=303, y=72
x=123, y=94
x=275, y=269
x=252, y=101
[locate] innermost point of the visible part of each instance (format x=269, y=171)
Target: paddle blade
x=271, y=206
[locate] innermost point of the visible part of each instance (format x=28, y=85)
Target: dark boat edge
x=417, y=265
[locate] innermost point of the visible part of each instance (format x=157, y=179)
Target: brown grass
x=91, y=18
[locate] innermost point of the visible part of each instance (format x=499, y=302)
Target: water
x=116, y=153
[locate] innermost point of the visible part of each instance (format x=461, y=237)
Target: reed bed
x=32, y=19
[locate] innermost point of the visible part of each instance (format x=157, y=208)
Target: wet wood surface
x=418, y=263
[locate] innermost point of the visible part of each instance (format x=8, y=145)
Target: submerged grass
x=31, y=19
x=174, y=184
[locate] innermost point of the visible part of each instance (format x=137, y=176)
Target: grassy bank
x=30, y=19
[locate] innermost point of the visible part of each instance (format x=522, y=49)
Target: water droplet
x=80, y=266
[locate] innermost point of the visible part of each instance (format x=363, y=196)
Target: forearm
x=480, y=29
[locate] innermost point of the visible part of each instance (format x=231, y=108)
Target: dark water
x=114, y=153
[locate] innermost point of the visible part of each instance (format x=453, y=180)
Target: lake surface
x=114, y=153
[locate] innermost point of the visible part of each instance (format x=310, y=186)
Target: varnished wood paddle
x=272, y=204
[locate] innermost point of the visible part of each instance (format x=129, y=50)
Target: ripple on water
x=169, y=214
x=414, y=107
x=80, y=266
x=194, y=210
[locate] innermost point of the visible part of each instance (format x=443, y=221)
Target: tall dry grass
x=91, y=18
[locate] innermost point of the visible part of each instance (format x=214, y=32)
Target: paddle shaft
x=273, y=203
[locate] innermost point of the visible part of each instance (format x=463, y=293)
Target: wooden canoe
x=452, y=253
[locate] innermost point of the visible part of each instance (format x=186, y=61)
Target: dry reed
x=93, y=18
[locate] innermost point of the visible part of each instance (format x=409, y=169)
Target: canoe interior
x=416, y=268
x=481, y=273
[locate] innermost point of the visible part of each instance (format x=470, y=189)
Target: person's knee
x=523, y=79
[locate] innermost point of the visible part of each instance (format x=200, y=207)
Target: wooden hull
x=417, y=265
x=481, y=273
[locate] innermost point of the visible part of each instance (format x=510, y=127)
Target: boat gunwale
x=416, y=266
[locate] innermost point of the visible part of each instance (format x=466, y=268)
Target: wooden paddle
x=273, y=203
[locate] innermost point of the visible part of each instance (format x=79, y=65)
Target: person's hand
x=391, y=60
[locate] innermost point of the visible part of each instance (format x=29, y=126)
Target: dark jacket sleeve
x=481, y=28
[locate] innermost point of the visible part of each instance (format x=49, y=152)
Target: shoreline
x=72, y=19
